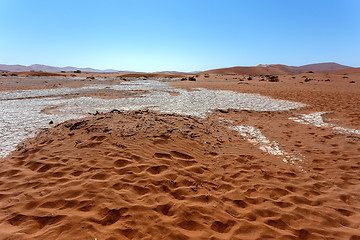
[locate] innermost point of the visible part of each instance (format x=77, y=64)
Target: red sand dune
x=279, y=69
x=258, y=70
x=144, y=175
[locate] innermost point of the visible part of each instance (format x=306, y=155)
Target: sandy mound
x=280, y=69
x=143, y=175
x=258, y=70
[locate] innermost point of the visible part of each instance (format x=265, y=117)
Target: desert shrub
x=307, y=80
x=77, y=71
x=249, y=78
x=273, y=78
x=310, y=72
x=345, y=77
x=293, y=77
x=13, y=74
x=192, y=79
x=4, y=75
x=352, y=82
x=183, y=79
x=327, y=80
x=206, y=75
x=63, y=72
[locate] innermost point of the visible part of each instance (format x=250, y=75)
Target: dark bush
x=13, y=74
x=249, y=78
x=310, y=72
x=192, y=79
x=184, y=79
x=307, y=80
x=77, y=71
x=273, y=78
x=352, y=82
x=4, y=75
x=327, y=80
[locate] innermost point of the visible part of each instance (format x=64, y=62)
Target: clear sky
x=182, y=35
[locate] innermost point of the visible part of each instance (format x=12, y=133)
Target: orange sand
x=145, y=175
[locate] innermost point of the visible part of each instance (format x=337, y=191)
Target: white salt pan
x=317, y=120
x=255, y=137
x=21, y=112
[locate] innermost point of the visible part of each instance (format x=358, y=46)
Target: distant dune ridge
x=46, y=68
x=279, y=69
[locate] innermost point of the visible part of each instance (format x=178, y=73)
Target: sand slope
x=143, y=175
x=280, y=69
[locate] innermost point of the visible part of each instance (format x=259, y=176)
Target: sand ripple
x=144, y=175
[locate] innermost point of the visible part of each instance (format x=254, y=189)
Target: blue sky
x=182, y=35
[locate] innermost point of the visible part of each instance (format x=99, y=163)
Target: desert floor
x=147, y=174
